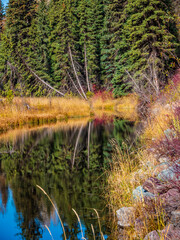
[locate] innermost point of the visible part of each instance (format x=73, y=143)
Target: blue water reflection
x=67, y=163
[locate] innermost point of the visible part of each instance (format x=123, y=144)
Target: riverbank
x=19, y=111
x=144, y=184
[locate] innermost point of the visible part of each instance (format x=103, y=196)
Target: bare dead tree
x=76, y=145
x=75, y=72
x=86, y=67
x=74, y=85
x=39, y=79
x=89, y=137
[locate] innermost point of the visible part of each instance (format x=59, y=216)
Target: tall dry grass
x=43, y=110
x=129, y=170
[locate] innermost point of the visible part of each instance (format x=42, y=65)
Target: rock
x=151, y=185
x=170, y=233
x=155, y=186
x=175, y=218
x=152, y=236
x=125, y=216
x=169, y=133
x=170, y=201
x=163, y=160
x=140, y=193
x=170, y=174
x=160, y=167
x=139, y=226
x=168, y=107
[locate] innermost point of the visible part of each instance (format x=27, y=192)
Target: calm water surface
x=69, y=163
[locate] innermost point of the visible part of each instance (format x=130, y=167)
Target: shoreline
x=140, y=209
x=35, y=111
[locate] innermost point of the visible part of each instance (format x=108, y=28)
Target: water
x=68, y=161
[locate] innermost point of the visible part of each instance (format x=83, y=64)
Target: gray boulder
x=152, y=236
x=170, y=233
x=175, y=218
x=125, y=216
x=170, y=174
x=140, y=193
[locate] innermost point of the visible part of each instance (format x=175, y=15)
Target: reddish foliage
x=169, y=148
x=103, y=120
x=176, y=78
x=102, y=93
x=177, y=113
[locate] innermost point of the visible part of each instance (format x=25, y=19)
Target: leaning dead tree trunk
x=40, y=79
x=74, y=85
x=86, y=68
x=76, y=145
x=75, y=72
x=89, y=137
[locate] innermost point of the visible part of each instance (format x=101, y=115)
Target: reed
x=102, y=236
x=79, y=223
x=49, y=232
x=54, y=209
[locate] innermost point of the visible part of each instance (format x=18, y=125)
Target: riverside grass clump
x=18, y=111
x=129, y=169
x=162, y=111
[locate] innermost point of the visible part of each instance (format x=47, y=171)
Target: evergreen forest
x=76, y=47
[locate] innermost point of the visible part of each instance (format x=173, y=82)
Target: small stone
x=175, y=218
x=125, y=216
x=151, y=185
x=169, y=133
x=139, y=226
x=140, y=193
x=170, y=233
x=152, y=236
x=163, y=160
x=170, y=174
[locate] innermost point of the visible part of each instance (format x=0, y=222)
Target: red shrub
x=176, y=78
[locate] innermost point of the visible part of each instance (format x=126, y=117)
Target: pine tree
x=1, y=16
x=19, y=16
x=90, y=15
x=147, y=44
x=62, y=24
x=39, y=46
x=111, y=37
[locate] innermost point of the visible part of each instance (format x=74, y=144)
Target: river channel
x=69, y=161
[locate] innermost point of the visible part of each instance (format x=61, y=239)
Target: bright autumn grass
x=44, y=110
x=162, y=113
x=127, y=106
x=128, y=171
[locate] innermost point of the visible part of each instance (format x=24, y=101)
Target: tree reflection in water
x=68, y=165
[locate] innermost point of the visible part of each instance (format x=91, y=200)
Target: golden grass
x=127, y=106
x=162, y=113
x=25, y=130
x=128, y=171
x=157, y=123
x=45, y=110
